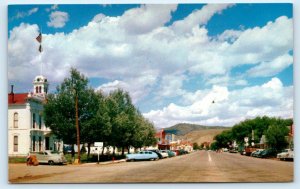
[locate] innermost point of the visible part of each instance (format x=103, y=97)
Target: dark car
x=157, y=152
x=267, y=153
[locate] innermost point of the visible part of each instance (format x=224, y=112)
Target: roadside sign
x=98, y=144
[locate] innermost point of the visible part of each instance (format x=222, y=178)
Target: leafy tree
x=275, y=136
x=60, y=107
x=144, y=134
x=224, y=138
x=97, y=126
x=122, y=116
x=196, y=146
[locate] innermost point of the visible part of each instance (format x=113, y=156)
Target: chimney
x=12, y=95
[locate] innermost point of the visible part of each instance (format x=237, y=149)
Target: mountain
x=196, y=133
x=184, y=128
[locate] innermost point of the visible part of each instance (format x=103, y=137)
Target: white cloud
x=53, y=7
x=198, y=17
x=151, y=58
x=146, y=18
x=58, y=19
x=277, y=65
x=25, y=14
x=230, y=107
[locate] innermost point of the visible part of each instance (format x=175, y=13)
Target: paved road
x=201, y=166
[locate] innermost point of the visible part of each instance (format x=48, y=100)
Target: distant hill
x=201, y=136
x=196, y=133
x=184, y=128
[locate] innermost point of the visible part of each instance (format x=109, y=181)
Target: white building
x=26, y=128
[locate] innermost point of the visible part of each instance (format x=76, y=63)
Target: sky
x=175, y=60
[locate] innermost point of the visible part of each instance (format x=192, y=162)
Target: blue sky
x=172, y=59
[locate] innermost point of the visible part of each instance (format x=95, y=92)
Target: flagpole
x=40, y=59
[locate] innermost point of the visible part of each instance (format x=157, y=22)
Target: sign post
x=98, y=145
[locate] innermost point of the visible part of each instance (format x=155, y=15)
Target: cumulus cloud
x=146, y=18
x=230, y=107
x=145, y=56
x=198, y=17
x=58, y=19
x=277, y=65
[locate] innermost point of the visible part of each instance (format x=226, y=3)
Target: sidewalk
x=102, y=163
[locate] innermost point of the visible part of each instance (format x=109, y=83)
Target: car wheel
x=132, y=160
x=51, y=162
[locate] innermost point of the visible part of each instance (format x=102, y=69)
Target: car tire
x=51, y=162
x=132, y=160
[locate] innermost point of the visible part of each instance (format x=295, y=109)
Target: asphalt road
x=200, y=166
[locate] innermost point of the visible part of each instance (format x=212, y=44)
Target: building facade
x=26, y=128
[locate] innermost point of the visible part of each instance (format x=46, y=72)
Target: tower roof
x=40, y=78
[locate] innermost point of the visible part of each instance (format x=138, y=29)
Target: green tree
x=60, y=107
x=96, y=127
x=196, y=146
x=122, y=116
x=275, y=136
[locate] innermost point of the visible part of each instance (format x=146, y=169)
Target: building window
x=36, y=89
x=15, y=143
x=16, y=120
x=33, y=120
x=40, y=89
x=40, y=122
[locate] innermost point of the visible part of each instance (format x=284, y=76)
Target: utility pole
x=77, y=126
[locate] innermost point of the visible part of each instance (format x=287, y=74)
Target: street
x=200, y=166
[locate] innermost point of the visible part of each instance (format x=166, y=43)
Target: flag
x=39, y=38
x=40, y=48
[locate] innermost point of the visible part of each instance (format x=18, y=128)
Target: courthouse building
x=26, y=128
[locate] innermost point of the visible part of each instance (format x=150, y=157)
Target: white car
x=164, y=153
x=287, y=154
x=49, y=157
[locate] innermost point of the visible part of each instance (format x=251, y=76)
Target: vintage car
x=164, y=153
x=49, y=157
x=142, y=155
x=287, y=154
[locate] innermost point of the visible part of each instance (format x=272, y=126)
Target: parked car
x=50, y=157
x=256, y=152
x=249, y=150
x=142, y=155
x=267, y=153
x=177, y=153
x=181, y=151
x=171, y=153
x=157, y=153
x=287, y=154
x=164, y=153
x=233, y=151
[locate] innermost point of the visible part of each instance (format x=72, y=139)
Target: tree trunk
x=73, y=151
x=122, y=151
x=102, y=150
x=114, y=148
x=128, y=149
x=89, y=150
